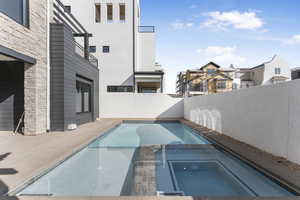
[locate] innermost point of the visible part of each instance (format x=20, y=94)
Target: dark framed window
x=221, y=85
x=93, y=49
x=210, y=71
x=119, y=88
x=83, y=97
x=105, y=49
x=18, y=10
x=277, y=70
x=68, y=9
x=122, y=13
x=97, y=13
x=109, y=12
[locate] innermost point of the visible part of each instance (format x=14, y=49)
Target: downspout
x=134, y=30
x=49, y=20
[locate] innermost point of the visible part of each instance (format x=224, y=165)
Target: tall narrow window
x=122, y=12
x=109, y=12
x=97, y=13
x=277, y=70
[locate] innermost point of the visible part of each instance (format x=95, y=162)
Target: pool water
x=132, y=159
x=208, y=178
x=147, y=133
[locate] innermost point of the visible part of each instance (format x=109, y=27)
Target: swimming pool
x=134, y=134
x=150, y=158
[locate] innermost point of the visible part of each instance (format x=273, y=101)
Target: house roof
x=210, y=63
x=295, y=69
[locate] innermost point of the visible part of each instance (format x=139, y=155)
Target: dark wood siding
x=66, y=66
x=11, y=94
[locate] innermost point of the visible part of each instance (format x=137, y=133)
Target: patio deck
x=23, y=157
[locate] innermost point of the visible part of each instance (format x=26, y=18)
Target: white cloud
x=222, y=55
x=181, y=25
x=193, y=6
x=223, y=20
x=294, y=40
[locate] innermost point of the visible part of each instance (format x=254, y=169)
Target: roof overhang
x=149, y=73
x=8, y=54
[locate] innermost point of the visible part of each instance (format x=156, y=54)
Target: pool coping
x=262, y=161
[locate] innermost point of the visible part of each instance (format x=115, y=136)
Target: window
x=105, y=49
x=277, y=70
x=67, y=9
x=83, y=97
x=18, y=10
x=122, y=12
x=221, y=85
x=109, y=12
x=97, y=13
x=119, y=89
x=92, y=49
x=210, y=71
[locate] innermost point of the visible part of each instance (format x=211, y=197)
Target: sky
x=245, y=33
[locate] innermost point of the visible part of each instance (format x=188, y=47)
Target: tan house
x=207, y=80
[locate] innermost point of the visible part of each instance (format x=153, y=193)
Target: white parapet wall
x=266, y=117
x=130, y=105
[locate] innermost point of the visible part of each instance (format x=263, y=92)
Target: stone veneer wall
x=31, y=42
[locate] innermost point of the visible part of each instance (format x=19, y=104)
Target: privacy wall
x=266, y=117
x=130, y=105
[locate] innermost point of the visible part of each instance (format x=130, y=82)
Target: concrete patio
x=23, y=157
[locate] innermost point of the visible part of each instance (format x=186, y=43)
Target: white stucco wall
x=267, y=117
x=116, y=67
x=146, y=49
x=129, y=105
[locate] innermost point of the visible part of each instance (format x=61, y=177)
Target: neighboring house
x=44, y=86
x=296, y=73
x=125, y=50
x=206, y=80
x=275, y=71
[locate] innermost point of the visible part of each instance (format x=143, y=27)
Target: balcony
x=79, y=50
x=147, y=29
x=62, y=15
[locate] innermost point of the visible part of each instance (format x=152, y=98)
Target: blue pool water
x=108, y=166
x=140, y=134
x=207, y=179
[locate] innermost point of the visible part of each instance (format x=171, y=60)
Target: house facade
x=125, y=50
x=47, y=81
x=295, y=73
x=206, y=80
x=275, y=71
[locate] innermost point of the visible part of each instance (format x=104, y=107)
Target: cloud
x=223, y=20
x=181, y=25
x=193, y=6
x=294, y=40
x=222, y=55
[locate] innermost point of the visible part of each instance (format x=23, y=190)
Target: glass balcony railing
x=146, y=29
